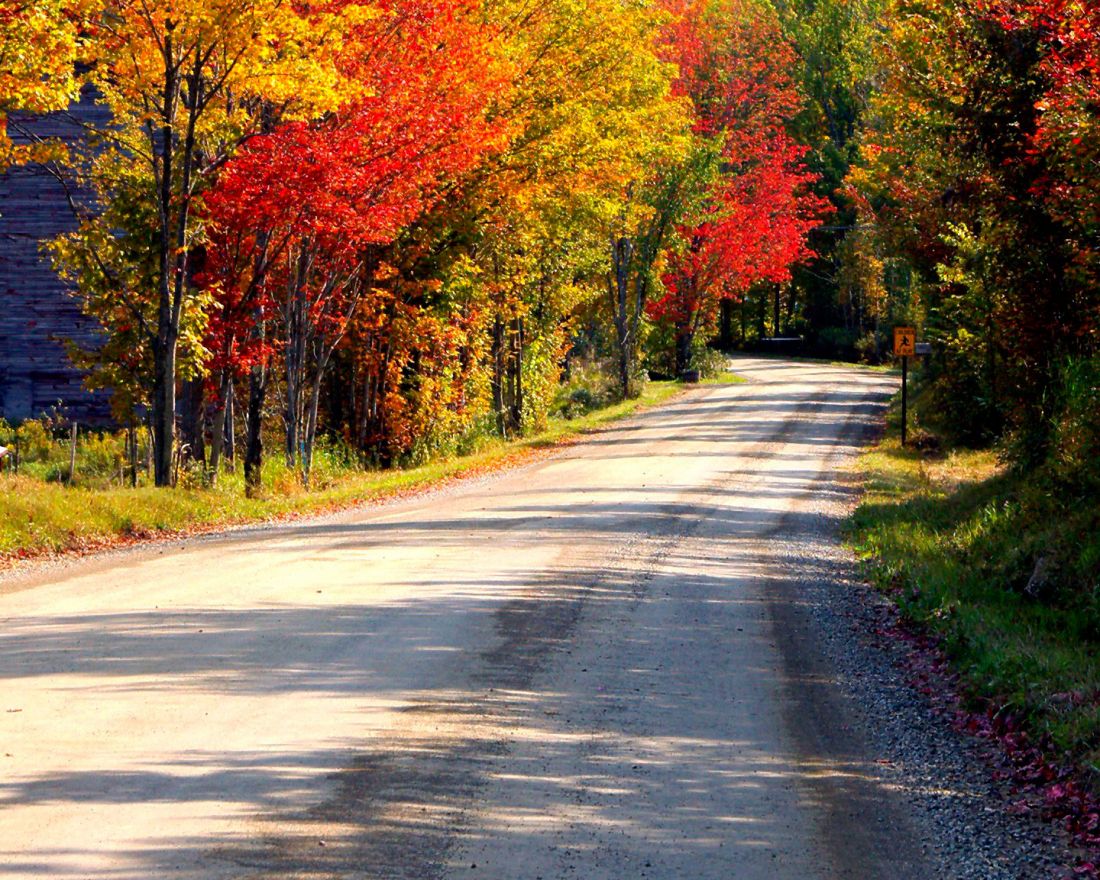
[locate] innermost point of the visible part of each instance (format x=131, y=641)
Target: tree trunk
x=258, y=373
x=192, y=421
x=297, y=343
x=131, y=440
x=150, y=444
x=292, y=403
x=290, y=419
x=684, y=338
x=230, y=424
x=218, y=426
x=372, y=418
x=164, y=408
x=497, y=380
x=725, y=324
x=217, y=443
x=364, y=410
x=311, y=423
x=254, y=446
x=622, y=252
x=516, y=367
x=164, y=346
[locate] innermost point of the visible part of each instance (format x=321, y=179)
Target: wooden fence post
x=72, y=454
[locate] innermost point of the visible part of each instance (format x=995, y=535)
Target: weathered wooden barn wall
x=37, y=314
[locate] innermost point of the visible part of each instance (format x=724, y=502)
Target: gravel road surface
x=640, y=657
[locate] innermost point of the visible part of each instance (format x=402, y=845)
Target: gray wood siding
x=37, y=313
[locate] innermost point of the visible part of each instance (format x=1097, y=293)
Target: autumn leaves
x=979, y=172
x=388, y=220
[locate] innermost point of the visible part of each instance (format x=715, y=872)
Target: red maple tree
x=298, y=219
x=734, y=68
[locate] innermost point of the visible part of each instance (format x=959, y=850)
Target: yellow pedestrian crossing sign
x=905, y=341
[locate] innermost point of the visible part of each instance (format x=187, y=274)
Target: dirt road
x=596, y=666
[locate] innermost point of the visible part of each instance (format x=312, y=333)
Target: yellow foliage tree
x=38, y=53
x=187, y=81
x=590, y=112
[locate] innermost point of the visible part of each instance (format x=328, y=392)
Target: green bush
x=839, y=341
x=333, y=459
x=36, y=443
x=592, y=385
x=869, y=347
x=44, y=447
x=1074, y=458
x=709, y=362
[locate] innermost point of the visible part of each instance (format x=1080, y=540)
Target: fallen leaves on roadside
x=1045, y=786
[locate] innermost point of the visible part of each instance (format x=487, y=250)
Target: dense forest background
x=396, y=227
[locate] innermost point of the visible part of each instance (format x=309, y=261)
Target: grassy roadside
x=725, y=378
x=889, y=367
x=40, y=518
x=955, y=539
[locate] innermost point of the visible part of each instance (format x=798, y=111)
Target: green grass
x=39, y=517
x=726, y=378
x=801, y=359
x=954, y=540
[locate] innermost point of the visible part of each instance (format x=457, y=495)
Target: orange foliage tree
x=300, y=217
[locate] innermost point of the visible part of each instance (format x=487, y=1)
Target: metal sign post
x=904, y=396
x=905, y=347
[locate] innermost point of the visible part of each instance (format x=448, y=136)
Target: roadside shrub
x=541, y=374
x=958, y=404
x=333, y=458
x=478, y=435
x=100, y=454
x=709, y=362
x=1074, y=460
x=44, y=450
x=36, y=443
x=869, y=347
x=659, y=351
x=837, y=341
x=592, y=384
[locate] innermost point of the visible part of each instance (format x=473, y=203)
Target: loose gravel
x=945, y=775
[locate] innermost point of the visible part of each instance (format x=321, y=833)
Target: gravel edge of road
x=946, y=776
